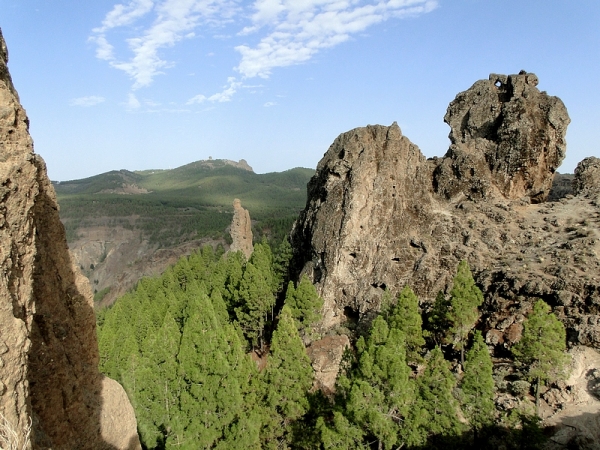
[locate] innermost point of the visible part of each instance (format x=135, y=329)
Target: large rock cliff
x=49, y=377
x=380, y=215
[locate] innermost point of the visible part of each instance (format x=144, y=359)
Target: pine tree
x=379, y=392
x=406, y=317
x=304, y=302
x=339, y=433
x=256, y=303
x=478, y=386
x=437, y=319
x=281, y=262
x=465, y=299
x=214, y=368
x=287, y=377
x=436, y=412
x=542, y=347
x=157, y=398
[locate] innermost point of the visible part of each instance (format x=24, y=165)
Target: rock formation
x=379, y=215
x=507, y=137
x=241, y=230
x=49, y=352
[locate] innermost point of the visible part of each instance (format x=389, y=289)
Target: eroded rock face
x=378, y=216
x=506, y=136
x=241, y=230
x=48, y=345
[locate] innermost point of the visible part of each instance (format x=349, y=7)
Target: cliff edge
x=48, y=347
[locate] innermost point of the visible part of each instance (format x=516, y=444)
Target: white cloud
x=132, y=102
x=224, y=96
x=174, y=20
x=280, y=32
x=269, y=104
x=297, y=30
x=87, y=101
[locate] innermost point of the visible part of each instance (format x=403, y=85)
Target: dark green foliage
x=304, y=302
x=541, y=349
x=173, y=345
x=478, y=385
x=287, y=378
x=254, y=299
x=178, y=346
x=437, y=319
x=436, y=412
x=406, y=317
x=377, y=393
x=465, y=298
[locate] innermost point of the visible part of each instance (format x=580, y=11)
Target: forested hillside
x=123, y=225
x=212, y=355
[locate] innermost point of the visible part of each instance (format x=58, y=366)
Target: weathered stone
x=587, y=177
x=326, y=356
x=506, y=136
x=241, y=230
x=47, y=321
x=379, y=216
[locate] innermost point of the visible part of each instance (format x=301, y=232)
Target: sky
x=156, y=84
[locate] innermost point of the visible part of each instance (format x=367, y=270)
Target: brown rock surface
x=587, y=177
x=506, y=136
x=379, y=215
x=48, y=346
x=326, y=356
x=241, y=230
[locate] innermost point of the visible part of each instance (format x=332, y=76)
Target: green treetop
x=542, y=347
x=465, y=298
x=406, y=317
x=379, y=392
x=304, y=302
x=478, y=385
x=256, y=303
x=435, y=412
x=288, y=377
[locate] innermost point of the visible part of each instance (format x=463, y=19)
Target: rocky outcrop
x=379, y=215
x=49, y=352
x=507, y=137
x=241, y=230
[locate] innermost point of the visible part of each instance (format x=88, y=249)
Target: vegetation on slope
x=189, y=202
x=181, y=345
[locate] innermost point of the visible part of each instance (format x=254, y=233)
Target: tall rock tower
x=49, y=377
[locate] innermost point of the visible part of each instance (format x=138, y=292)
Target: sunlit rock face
x=48, y=345
x=380, y=215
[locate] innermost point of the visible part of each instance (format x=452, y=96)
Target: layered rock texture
x=48, y=348
x=380, y=215
x=241, y=230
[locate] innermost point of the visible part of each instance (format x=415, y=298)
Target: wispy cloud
x=87, y=101
x=297, y=30
x=278, y=33
x=173, y=21
x=269, y=104
x=132, y=102
x=224, y=96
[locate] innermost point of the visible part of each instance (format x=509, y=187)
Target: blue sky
x=142, y=84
